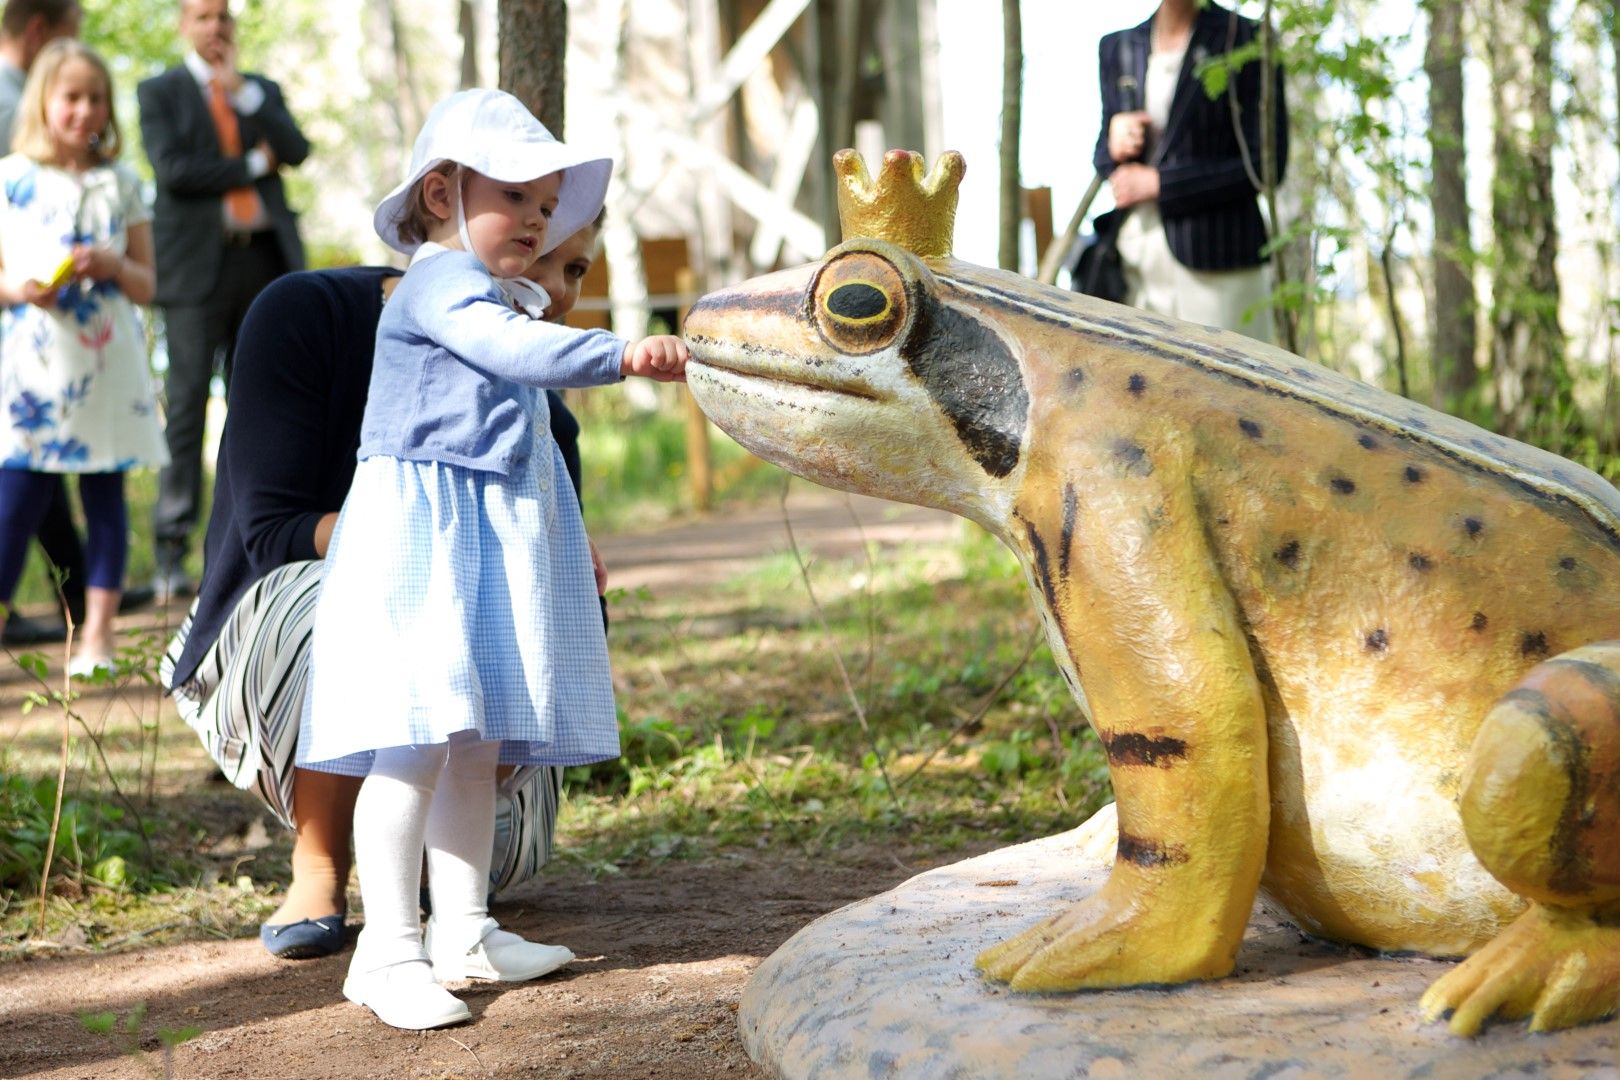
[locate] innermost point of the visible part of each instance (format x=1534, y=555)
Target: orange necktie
x=241, y=204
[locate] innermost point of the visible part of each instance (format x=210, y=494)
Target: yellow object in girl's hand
x=62, y=275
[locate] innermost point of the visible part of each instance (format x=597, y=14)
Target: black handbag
x=1097, y=270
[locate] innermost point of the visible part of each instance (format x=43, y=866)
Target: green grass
x=635, y=468
x=748, y=736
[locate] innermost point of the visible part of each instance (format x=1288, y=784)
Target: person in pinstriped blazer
x=1186, y=168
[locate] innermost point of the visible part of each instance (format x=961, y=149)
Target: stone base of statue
x=886, y=987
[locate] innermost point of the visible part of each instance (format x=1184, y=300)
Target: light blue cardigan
x=455, y=363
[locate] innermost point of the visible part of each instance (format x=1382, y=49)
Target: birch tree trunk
x=1012, y=104
x=533, y=54
x=1453, y=335
x=1533, y=392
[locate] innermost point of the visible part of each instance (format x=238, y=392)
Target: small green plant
x=128, y=1032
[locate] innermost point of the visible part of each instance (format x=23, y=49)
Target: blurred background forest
x=1446, y=228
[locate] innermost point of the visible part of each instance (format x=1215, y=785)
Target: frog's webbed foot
x=1107, y=940
x=1559, y=967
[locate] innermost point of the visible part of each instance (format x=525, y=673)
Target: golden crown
x=903, y=207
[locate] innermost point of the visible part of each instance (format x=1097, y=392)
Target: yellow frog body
x=1324, y=633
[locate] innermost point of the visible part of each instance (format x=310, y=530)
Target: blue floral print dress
x=74, y=380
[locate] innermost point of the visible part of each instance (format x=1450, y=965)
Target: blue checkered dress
x=458, y=599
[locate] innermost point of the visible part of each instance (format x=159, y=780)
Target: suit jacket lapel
x=1133, y=66
x=1208, y=39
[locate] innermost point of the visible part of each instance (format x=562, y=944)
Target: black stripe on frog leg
x=1071, y=504
x=1603, y=681
x=1144, y=852
x=1570, y=869
x=974, y=377
x=1139, y=748
x=1043, y=571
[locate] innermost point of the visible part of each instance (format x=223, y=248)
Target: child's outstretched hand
x=662, y=358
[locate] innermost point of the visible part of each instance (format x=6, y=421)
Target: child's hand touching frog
x=661, y=357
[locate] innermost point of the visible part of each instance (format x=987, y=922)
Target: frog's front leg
x=1541, y=806
x=1125, y=563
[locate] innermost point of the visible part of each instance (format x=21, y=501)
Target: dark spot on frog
x=1075, y=377
x=1378, y=640
x=1132, y=458
x=1473, y=526
x=1413, y=474
x=1418, y=561
x=1367, y=442
x=1249, y=428
x=1288, y=554
x=1566, y=563
x=1136, y=384
x=1479, y=622
x=1343, y=485
x=1417, y=422
x=1533, y=643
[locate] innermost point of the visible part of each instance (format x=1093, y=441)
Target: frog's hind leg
x=1541, y=806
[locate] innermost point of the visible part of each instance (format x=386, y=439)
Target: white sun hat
x=491, y=132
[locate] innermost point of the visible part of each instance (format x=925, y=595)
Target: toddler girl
x=458, y=627
x=75, y=258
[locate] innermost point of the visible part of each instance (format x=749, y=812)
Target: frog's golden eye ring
x=860, y=303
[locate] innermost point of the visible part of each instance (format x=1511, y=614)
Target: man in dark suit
x=217, y=140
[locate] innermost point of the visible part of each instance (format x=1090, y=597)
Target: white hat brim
x=525, y=151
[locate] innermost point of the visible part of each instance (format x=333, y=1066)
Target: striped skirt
x=247, y=694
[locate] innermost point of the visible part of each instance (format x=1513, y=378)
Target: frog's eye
x=860, y=303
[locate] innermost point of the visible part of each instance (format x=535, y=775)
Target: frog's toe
x=1583, y=989
x=1003, y=962
x=1558, y=968
x=1098, y=944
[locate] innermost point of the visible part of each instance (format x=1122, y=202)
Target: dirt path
x=664, y=949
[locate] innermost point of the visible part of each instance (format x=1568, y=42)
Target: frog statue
x=1337, y=646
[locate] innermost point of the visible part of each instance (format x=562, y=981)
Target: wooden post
x=699, y=465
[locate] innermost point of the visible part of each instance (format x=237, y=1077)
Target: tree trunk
x=837, y=56
x=533, y=51
x=1533, y=390
x=467, y=21
x=1453, y=336
x=1012, y=104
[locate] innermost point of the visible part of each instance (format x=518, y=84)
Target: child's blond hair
x=32, y=135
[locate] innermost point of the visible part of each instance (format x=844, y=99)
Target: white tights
x=441, y=795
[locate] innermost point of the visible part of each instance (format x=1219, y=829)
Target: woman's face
x=76, y=108
x=561, y=271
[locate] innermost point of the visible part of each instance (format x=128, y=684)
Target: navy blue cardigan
x=287, y=453
x=1207, y=201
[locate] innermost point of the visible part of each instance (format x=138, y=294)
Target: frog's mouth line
x=707, y=364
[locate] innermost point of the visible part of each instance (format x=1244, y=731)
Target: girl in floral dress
x=75, y=258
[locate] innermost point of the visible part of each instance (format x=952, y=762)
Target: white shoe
x=85, y=665
x=405, y=995
x=498, y=955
